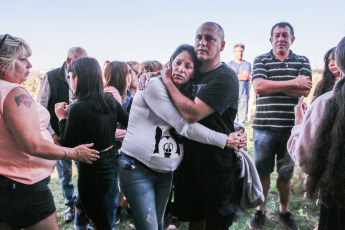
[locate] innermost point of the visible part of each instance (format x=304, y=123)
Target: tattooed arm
x=21, y=117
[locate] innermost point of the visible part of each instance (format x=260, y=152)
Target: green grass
x=304, y=211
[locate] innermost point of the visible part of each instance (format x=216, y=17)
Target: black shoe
x=69, y=214
x=118, y=215
x=257, y=220
x=288, y=220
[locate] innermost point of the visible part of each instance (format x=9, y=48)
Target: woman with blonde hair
x=150, y=66
x=27, y=151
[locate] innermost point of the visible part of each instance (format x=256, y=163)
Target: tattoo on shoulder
x=23, y=99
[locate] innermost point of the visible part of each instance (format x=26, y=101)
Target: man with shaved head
x=205, y=181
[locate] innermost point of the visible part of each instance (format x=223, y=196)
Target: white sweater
x=152, y=116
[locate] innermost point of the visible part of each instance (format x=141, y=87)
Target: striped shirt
x=276, y=112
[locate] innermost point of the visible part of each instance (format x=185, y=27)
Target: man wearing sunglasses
x=55, y=87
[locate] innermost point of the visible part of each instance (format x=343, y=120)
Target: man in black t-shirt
x=205, y=191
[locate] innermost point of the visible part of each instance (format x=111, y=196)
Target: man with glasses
x=55, y=87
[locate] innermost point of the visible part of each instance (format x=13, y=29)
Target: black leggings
x=98, y=189
x=331, y=218
x=94, y=202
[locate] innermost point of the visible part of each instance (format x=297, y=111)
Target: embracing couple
x=184, y=120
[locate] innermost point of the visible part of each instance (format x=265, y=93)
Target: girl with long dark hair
x=317, y=146
x=330, y=76
x=93, y=118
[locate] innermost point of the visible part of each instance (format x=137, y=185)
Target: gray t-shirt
x=150, y=136
x=240, y=68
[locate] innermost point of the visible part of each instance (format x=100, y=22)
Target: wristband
x=66, y=154
x=77, y=150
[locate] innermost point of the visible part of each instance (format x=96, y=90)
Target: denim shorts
x=268, y=144
x=22, y=205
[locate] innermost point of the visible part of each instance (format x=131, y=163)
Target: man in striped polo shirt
x=280, y=77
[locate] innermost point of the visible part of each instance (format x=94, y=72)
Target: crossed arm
x=300, y=86
x=243, y=76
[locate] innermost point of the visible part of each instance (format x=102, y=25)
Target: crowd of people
x=147, y=131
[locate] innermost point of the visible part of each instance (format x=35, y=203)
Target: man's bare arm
x=297, y=92
x=192, y=111
x=267, y=87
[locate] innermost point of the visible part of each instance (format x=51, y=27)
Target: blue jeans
x=268, y=144
x=64, y=169
x=242, y=110
x=147, y=193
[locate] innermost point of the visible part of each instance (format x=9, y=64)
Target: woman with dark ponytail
x=317, y=145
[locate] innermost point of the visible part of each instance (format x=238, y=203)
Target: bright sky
x=142, y=30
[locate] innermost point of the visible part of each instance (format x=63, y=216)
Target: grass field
x=304, y=211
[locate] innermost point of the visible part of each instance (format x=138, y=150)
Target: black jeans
x=331, y=218
x=98, y=189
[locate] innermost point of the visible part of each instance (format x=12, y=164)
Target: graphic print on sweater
x=168, y=144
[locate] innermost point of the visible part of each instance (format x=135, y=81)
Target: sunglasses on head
x=4, y=38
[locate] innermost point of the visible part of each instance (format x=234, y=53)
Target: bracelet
x=66, y=154
x=77, y=150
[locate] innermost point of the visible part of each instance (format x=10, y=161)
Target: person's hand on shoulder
x=145, y=78
x=166, y=73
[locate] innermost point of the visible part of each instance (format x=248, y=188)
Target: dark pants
x=331, y=218
x=98, y=189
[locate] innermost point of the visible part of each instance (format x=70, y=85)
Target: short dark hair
x=189, y=49
x=282, y=25
x=220, y=29
x=239, y=45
